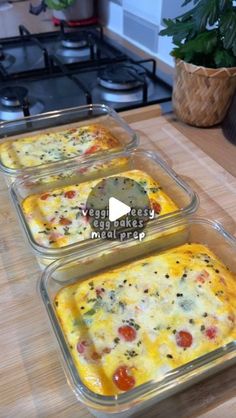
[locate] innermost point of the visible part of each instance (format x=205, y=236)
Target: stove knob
x=1, y=53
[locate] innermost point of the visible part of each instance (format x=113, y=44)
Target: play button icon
x=114, y=205
x=117, y=209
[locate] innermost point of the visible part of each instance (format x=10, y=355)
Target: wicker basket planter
x=201, y=96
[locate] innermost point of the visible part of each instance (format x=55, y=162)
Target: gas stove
x=72, y=67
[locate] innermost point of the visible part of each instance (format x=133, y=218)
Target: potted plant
x=205, y=56
x=66, y=9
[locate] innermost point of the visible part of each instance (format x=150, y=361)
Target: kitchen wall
x=140, y=23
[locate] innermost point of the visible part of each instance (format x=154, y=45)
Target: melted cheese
x=185, y=289
x=55, y=218
x=55, y=146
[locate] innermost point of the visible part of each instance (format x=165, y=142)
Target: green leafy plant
x=206, y=34
x=59, y=4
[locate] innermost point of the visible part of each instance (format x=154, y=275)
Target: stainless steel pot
x=81, y=9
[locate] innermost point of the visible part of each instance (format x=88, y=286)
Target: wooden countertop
x=32, y=380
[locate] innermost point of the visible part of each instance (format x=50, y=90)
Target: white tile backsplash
x=140, y=22
x=141, y=31
x=116, y=18
x=149, y=9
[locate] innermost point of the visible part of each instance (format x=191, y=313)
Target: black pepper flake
x=130, y=354
x=130, y=284
x=177, y=262
x=167, y=276
x=116, y=340
x=146, y=291
x=185, y=275
x=157, y=328
x=56, y=303
x=124, y=281
x=191, y=321
x=202, y=328
x=169, y=356
x=179, y=295
x=219, y=293
x=217, y=271
x=205, y=315
x=174, y=331
x=82, y=307
x=155, y=272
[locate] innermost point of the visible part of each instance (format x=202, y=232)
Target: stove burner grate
x=122, y=77
x=13, y=96
x=15, y=103
x=6, y=60
x=75, y=41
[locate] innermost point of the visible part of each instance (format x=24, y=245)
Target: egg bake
x=55, y=218
x=55, y=146
x=132, y=324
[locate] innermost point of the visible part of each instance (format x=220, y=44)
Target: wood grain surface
x=18, y=14
x=32, y=382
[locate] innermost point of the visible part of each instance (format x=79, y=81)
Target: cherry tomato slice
x=203, y=276
x=92, y=149
x=211, y=332
x=123, y=378
x=156, y=206
x=70, y=194
x=81, y=346
x=184, y=339
x=127, y=332
x=45, y=196
x=65, y=221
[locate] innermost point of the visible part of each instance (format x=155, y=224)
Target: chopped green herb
x=90, y=312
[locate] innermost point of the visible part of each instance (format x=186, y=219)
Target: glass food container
x=90, y=262
x=48, y=180
x=59, y=121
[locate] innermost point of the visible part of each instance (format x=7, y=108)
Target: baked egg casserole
x=55, y=146
x=132, y=324
x=55, y=218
